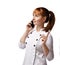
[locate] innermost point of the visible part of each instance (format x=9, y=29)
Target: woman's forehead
x=36, y=12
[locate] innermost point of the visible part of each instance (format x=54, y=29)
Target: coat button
x=30, y=32
x=42, y=56
x=28, y=37
x=26, y=42
x=34, y=45
x=36, y=39
x=40, y=34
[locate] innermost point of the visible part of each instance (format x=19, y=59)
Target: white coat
x=34, y=54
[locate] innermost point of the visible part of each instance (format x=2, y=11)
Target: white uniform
x=34, y=53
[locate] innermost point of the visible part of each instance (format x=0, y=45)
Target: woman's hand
x=28, y=27
x=44, y=47
x=44, y=38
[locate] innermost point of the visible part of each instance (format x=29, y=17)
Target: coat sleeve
x=21, y=45
x=49, y=44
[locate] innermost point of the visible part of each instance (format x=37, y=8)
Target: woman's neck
x=39, y=27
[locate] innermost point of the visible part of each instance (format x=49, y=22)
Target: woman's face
x=38, y=19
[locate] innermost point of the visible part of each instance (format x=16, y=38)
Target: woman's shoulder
x=45, y=33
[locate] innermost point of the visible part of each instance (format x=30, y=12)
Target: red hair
x=50, y=17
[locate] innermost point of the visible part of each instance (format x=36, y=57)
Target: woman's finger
x=43, y=40
x=29, y=24
x=45, y=36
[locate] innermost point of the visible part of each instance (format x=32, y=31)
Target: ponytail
x=51, y=21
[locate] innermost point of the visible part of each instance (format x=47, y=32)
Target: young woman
x=38, y=40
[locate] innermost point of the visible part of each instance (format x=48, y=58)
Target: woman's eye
x=37, y=15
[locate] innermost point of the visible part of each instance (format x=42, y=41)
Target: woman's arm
x=22, y=43
x=47, y=47
x=28, y=29
x=23, y=38
x=44, y=47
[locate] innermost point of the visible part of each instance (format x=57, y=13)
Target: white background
x=14, y=15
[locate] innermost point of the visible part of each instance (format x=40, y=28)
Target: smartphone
x=32, y=24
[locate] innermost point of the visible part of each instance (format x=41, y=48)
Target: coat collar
x=42, y=29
